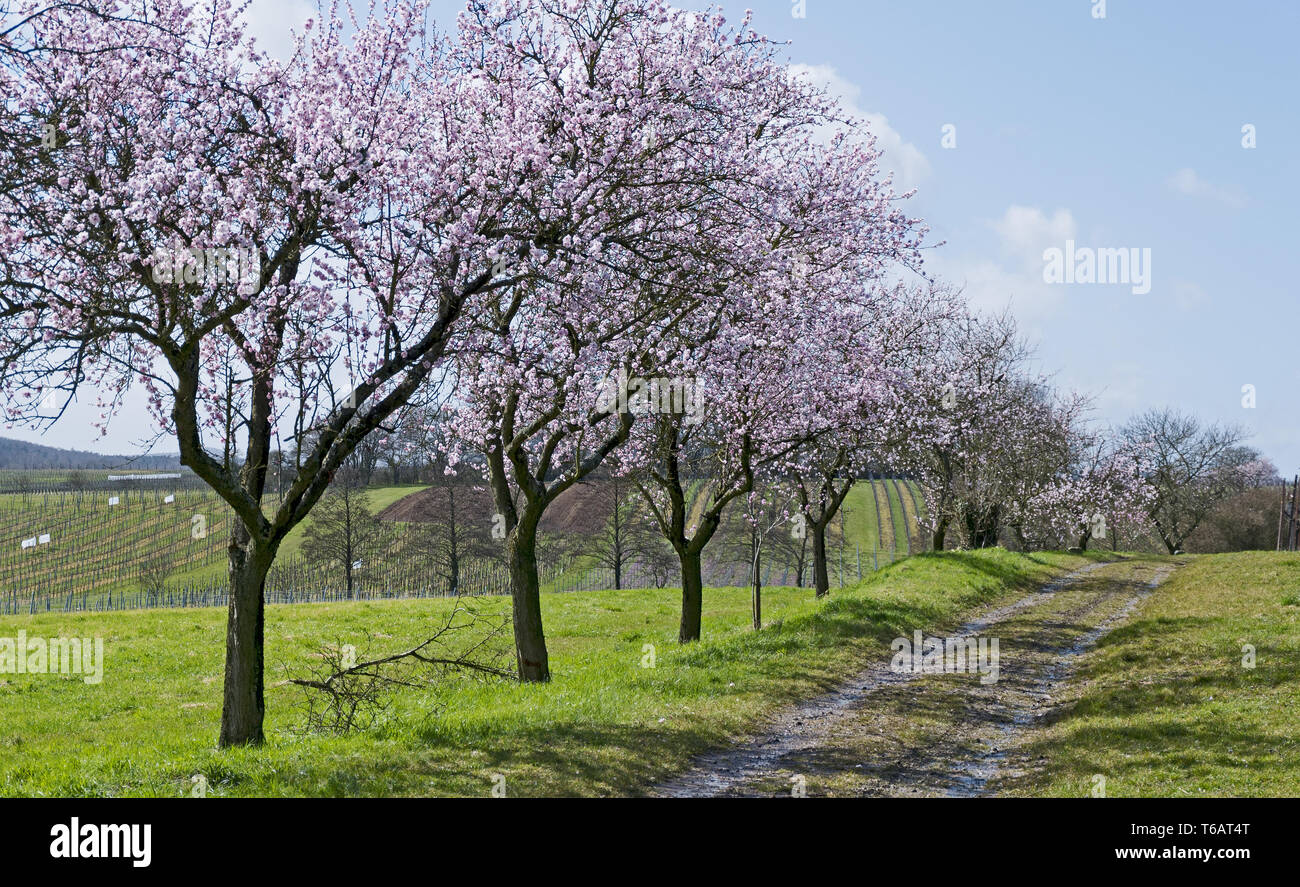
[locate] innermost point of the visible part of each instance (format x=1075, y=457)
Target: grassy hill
x=1163, y=707
x=97, y=545
x=1169, y=706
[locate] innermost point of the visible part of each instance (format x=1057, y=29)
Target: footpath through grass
x=605, y=724
x=1166, y=707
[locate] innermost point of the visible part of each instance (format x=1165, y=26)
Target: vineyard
x=74, y=550
x=161, y=542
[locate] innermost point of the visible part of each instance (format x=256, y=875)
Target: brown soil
x=579, y=509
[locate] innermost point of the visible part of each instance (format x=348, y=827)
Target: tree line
x=610, y=236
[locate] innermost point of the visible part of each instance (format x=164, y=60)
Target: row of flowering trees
x=998, y=452
x=605, y=235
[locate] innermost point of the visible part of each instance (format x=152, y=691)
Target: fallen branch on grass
x=345, y=694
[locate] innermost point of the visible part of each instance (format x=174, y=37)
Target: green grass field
x=1166, y=708
x=604, y=725
x=896, y=519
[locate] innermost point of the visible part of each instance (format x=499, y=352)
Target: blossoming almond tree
x=995, y=447
x=792, y=359
x=676, y=131
x=1103, y=491
x=1022, y=467
x=870, y=425
x=963, y=399
x=765, y=396
x=363, y=184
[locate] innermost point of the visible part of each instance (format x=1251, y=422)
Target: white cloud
x=1014, y=277
x=1188, y=183
x=1025, y=231
x=910, y=166
x=989, y=286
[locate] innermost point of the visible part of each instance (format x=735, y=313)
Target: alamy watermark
x=660, y=395
x=1103, y=265
x=24, y=655
x=212, y=266
x=78, y=840
x=955, y=655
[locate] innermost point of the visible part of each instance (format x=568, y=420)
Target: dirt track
x=901, y=734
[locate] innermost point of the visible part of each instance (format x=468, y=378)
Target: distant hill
x=20, y=455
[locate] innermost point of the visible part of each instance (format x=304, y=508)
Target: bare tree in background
x=407, y=445
x=342, y=527
x=365, y=458
x=765, y=509
x=790, y=546
x=660, y=562
x=628, y=531
x=1193, y=467
x=457, y=510
x=154, y=574
x=463, y=530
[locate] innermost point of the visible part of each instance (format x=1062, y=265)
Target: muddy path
x=903, y=734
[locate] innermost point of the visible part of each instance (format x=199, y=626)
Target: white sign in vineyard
x=29, y=543
x=44, y=539
x=112, y=500
x=169, y=498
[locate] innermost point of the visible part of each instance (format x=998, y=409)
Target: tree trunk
x=758, y=589
x=940, y=532
x=821, y=580
x=983, y=527
x=526, y=603
x=616, y=550
x=692, y=597
x=243, y=707
x=349, y=555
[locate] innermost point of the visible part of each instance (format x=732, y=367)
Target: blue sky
x=1123, y=131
